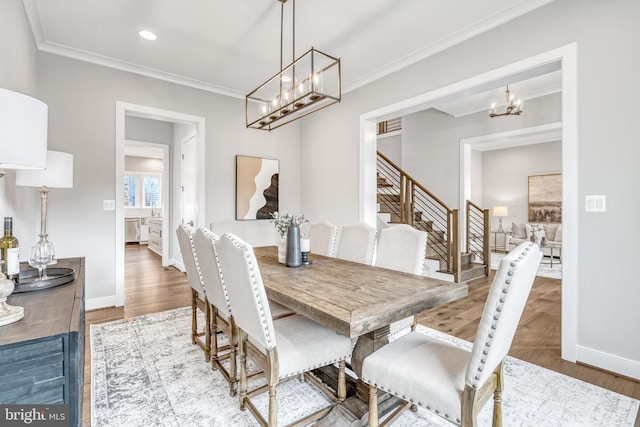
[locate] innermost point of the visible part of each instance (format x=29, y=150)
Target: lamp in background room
x=23, y=145
x=500, y=212
x=311, y=82
x=58, y=174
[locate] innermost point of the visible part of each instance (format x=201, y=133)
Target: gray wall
x=608, y=147
x=505, y=175
x=142, y=164
x=147, y=130
x=431, y=141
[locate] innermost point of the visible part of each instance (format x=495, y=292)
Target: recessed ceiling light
x=147, y=35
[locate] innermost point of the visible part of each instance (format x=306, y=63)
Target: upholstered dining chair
x=454, y=382
x=323, y=238
x=198, y=296
x=357, y=243
x=283, y=348
x=402, y=248
x=220, y=311
x=220, y=314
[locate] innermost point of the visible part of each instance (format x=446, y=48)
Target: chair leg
x=342, y=382
x=373, y=406
x=194, y=318
x=233, y=370
x=497, y=397
x=214, y=337
x=207, y=331
x=243, y=370
x=273, y=416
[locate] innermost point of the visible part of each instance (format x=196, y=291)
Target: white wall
x=148, y=130
x=391, y=147
x=142, y=164
x=605, y=33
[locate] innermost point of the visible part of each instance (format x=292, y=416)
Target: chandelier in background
x=514, y=106
x=310, y=83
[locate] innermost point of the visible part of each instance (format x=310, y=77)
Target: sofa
x=551, y=234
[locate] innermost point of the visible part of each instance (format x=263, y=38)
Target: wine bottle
x=10, y=251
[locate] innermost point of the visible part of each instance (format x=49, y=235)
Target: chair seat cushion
x=304, y=345
x=422, y=370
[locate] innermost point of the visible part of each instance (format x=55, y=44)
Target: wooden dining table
x=356, y=300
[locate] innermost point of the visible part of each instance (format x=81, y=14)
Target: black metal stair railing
x=408, y=202
x=478, y=232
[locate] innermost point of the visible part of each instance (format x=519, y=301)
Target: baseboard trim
x=620, y=365
x=94, y=303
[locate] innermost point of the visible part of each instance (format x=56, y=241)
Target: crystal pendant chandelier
x=513, y=108
x=310, y=83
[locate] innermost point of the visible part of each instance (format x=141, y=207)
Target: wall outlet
x=109, y=205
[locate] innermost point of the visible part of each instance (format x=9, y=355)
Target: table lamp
x=500, y=212
x=23, y=145
x=58, y=174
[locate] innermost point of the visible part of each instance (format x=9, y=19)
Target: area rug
x=146, y=372
x=544, y=270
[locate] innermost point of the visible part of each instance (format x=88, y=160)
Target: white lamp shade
x=23, y=131
x=500, y=211
x=58, y=173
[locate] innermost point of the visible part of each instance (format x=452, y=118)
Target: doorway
x=567, y=57
x=172, y=216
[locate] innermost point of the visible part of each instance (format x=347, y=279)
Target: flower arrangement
x=282, y=222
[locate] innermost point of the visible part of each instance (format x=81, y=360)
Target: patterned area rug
x=146, y=372
x=544, y=270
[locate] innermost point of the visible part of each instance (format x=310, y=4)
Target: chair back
x=357, y=243
x=203, y=240
x=502, y=311
x=247, y=297
x=185, y=241
x=323, y=238
x=402, y=248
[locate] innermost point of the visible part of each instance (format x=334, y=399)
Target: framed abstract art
x=256, y=187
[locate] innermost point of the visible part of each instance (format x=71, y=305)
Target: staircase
x=402, y=200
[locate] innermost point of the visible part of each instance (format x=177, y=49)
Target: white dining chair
x=221, y=319
x=220, y=310
x=450, y=381
x=323, y=235
x=357, y=243
x=198, y=296
x=284, y=348
x=402, y=248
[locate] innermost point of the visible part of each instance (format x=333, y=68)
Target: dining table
x=356, y=300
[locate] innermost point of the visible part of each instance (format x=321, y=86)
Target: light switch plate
x=109, y=205
x=595, y=203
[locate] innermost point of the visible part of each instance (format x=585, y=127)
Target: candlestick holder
x=305, y=258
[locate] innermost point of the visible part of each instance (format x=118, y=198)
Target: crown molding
x=520, y=8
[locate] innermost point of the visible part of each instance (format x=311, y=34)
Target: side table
x=503, y=246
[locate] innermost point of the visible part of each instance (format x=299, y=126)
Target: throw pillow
x=535, y=228
x=550, y=230
x=558, y=236
x=518, y=231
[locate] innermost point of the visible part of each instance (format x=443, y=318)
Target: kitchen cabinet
x=155, y=235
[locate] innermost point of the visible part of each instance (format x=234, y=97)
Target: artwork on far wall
x=256, y=187
x=545, y=198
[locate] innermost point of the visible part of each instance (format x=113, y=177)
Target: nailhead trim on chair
x=213, y=236
x=193, y=251
x=498, y=310
x=256, y=289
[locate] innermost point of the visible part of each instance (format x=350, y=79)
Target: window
x=142, y=190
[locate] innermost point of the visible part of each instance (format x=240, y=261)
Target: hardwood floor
x=149, y=289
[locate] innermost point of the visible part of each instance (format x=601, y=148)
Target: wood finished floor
x=150, y=289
